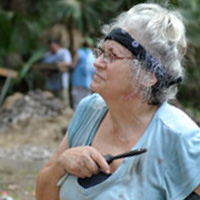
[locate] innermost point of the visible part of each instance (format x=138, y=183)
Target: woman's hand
x=83, y=161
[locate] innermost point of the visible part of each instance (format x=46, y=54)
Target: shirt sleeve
x=183, y=173
x=81, y=120
x=86, y=119
x=66, y=56
x=77, y=119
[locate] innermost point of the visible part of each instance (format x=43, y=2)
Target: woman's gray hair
x=162, y=33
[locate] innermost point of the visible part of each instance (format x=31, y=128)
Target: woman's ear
x=150, y=80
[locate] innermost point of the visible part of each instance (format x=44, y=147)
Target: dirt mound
x=33, y=105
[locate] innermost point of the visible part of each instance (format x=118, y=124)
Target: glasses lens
x=97, y=52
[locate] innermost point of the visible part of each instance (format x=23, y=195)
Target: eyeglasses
x=108, y=57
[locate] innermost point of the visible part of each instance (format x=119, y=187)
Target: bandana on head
x=125, y=39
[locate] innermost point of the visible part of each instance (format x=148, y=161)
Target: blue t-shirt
x=168, y=170
x=61, y=55
x=84, y=70
x=57, y=80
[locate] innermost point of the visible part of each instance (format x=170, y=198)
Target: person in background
x=58, y=80
x=137, y=71
x=82, y=74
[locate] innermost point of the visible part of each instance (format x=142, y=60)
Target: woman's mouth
x=98, y=76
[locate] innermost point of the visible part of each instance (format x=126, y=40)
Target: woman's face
x=113, y=74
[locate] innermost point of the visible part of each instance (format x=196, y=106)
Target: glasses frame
x=109, y=57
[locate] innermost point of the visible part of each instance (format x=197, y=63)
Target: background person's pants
x=79, y=93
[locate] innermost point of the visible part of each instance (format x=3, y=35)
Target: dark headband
x=125, y=39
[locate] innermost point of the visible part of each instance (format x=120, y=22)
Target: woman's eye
x=113, y=56
x=98, y=52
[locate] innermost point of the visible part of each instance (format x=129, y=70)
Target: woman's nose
x=99, y=62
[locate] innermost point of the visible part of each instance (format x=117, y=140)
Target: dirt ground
x=24, y=148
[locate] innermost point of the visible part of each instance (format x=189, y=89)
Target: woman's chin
x=94, y=86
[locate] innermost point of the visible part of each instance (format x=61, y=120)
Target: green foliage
x=21, y=32
x=84, y=15
x=190, y=92
x=36, y=56
x=191, y=13
x=26, y=78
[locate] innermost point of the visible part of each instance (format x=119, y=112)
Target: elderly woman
x=137, y=72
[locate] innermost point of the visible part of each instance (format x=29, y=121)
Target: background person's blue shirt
x=84, y=70
x=61, y=55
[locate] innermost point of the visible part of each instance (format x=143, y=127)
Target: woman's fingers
x=101, y=161
x=84, y=161
x=92, y=166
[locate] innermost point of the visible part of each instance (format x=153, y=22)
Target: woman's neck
x=130, y=119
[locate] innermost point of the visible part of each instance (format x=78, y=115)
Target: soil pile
x=34, y=105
